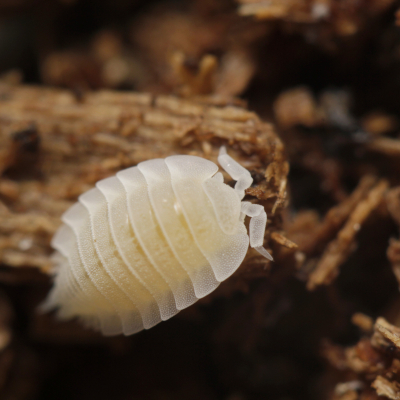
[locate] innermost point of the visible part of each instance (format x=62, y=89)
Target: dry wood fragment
x=296, y=107
x=373, y=361
x=198, y=82
x=385, y=334
x=354, y=361
x=278, y=238
x=378, y=123
x=339, y=249
x=266, y=10
x=312, y=235
x=90, y=137
x=361, y=358
x=385, y=145
x=362, y=321
x=332, y=18
x=385, y=388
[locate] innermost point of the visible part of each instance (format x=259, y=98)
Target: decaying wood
x=322, y=232
x=385, y=145
x=278, y=238
x=297, y=107
x=374, y=362
x=55, y=144
x=340, y=19
x=385, y=334
x=363, y=322
x=385, y=388
x=340, y=248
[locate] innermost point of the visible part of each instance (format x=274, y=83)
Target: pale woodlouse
x=151, y=241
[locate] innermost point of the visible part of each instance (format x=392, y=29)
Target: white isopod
x=150, y=241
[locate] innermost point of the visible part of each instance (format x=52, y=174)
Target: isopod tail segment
x=256, y=212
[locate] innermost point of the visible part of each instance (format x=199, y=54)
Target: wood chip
x=385, y=334
x=319, y=234
x=385, y=145
x=385, y=388
x=339, y=249
x=278, y=238
x=296, y=107
x=362, y=321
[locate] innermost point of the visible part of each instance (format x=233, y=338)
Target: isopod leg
x=258, y=223
x=236, y=171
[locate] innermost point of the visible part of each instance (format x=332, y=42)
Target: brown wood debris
x=87, y=138
x=329, y=242
x=363, y=322
x=361, y=358
x=282, y=240
x=374, y=362
x=379, y=123
x=332, y=18
x=385, y=145
x=385, y=388
x=320, y=233
x=339, y=249
x=385, y=334
x=167, y=52
x=321, y=129
x=296, y=107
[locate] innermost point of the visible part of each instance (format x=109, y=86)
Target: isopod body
x=150, y=241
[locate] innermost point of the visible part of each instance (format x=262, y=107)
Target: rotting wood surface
x=55, y=144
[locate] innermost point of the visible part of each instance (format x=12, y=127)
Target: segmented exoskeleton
x=151, y=240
